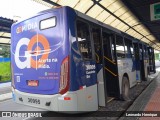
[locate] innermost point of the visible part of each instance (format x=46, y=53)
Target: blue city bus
x=63, y=60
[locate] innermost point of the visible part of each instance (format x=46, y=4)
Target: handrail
x=97, y=57
x=109, y=60
x=110, y=72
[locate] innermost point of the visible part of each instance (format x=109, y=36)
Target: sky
x=19, y=9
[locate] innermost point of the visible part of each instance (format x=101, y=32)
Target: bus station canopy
x=5, y=29
x=112, y=12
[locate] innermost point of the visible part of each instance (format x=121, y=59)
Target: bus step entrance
x=109, y=99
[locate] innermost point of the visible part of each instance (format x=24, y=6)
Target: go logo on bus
x=34, y=49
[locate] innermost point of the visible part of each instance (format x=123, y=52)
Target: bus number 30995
x=31, y=100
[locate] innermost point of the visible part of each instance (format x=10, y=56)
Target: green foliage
x=157, y=56
x=4, y=51
x=5, y=71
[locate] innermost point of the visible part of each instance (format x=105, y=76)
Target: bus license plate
x=33, y=83
x=33, y=100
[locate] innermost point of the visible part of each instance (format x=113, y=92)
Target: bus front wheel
x=125, y=89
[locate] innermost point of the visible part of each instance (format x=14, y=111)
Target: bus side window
x=83, y=38
x=120, y=47
x=97, y=44
x=136, y=50
x=140, y=51
x=145, y=52
x=108, y=42
x=128, y=48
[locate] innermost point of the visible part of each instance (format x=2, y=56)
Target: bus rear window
x=48, y=23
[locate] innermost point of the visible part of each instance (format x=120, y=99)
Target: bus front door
x=142, y=69
x=96, y=36
x=137, y=61
x=110, y=67
x=139, y=58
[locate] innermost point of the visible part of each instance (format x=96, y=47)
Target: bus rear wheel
x=125, y=89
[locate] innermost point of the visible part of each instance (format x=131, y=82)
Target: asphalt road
x=10, y=105
x=4, y=90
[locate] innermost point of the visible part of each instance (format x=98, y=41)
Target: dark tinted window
x=128, y=48
x=97, y=44
x=83, y=38
x=120, y=47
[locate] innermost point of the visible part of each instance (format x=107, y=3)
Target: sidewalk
x=7, y=84
x=5, y=91
x=147, y=102
x=153, y=104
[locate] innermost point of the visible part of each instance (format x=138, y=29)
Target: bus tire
x=125, y=89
